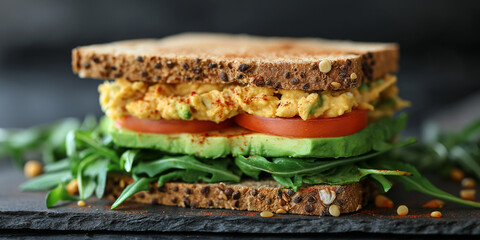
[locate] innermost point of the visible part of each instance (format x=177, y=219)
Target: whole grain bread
x=284, y=63
x=264, y=195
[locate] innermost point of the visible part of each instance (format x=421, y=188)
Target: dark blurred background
x=438, y=39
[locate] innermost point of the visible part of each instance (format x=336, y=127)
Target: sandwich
x=284, y=125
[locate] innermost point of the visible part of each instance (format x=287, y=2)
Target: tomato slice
x=322, y=127
x=170, y=126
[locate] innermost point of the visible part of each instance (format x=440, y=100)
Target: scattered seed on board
x=435, y=203
x=468, y=194
x=383, y=202
x=266, y=214
x=402, y=210
x=436, y=214
x=334, y=210
x=72, y=187
x=81, y=203
x=457, y=175
x=353, y=76
x=32, y=169
x=468, y=183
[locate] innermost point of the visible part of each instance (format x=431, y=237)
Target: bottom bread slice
x=264, y=195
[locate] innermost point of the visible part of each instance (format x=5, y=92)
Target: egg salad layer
x=214, y=102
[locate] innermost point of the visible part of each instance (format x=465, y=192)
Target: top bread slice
x=284, y=63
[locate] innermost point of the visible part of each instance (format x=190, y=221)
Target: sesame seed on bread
x=285, y=63
x=264, y=195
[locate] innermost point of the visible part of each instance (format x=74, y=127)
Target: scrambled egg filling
x=213, y=102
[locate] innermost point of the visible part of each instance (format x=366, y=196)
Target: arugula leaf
x=350, y=174
x=46, y=139
x=58, y=194
x=63, y=164
x=84, y=188
x=379, y=176
x=96, y=167
x=89, y=123
x=89, y=169
x=384, y=184
x=27, y=138
x=157, y=167
x=17, y=156
x=171, y=176
x=288, y=182
x=70, y=144
x=101, y=182
x=98, y=170
x=92, y=154
x=461, y=156
x=127, y=159
x=56, y=137
x=141, y=184
x=83, y=149
x=88, y=188
x=419, y=183
x=85, y=138
x=440, y=152
x=383, y=172
x=48, y=153
x=289, y=167
x=314, y=171
x=113, y=167
x=471, y=132
x=46, y=181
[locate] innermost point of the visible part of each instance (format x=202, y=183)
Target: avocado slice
x=222, y=145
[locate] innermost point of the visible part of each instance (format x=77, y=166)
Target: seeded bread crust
x=282, y=63
x=265, y=195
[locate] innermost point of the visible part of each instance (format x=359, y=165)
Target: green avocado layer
x=261, y=144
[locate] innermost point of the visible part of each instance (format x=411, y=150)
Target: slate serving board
x=27, y=211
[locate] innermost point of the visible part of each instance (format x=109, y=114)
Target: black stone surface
x=51, y=235
x=27, y=211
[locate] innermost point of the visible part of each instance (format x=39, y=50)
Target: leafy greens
x=86, y=153
x=313, y=171
x=440, y=152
